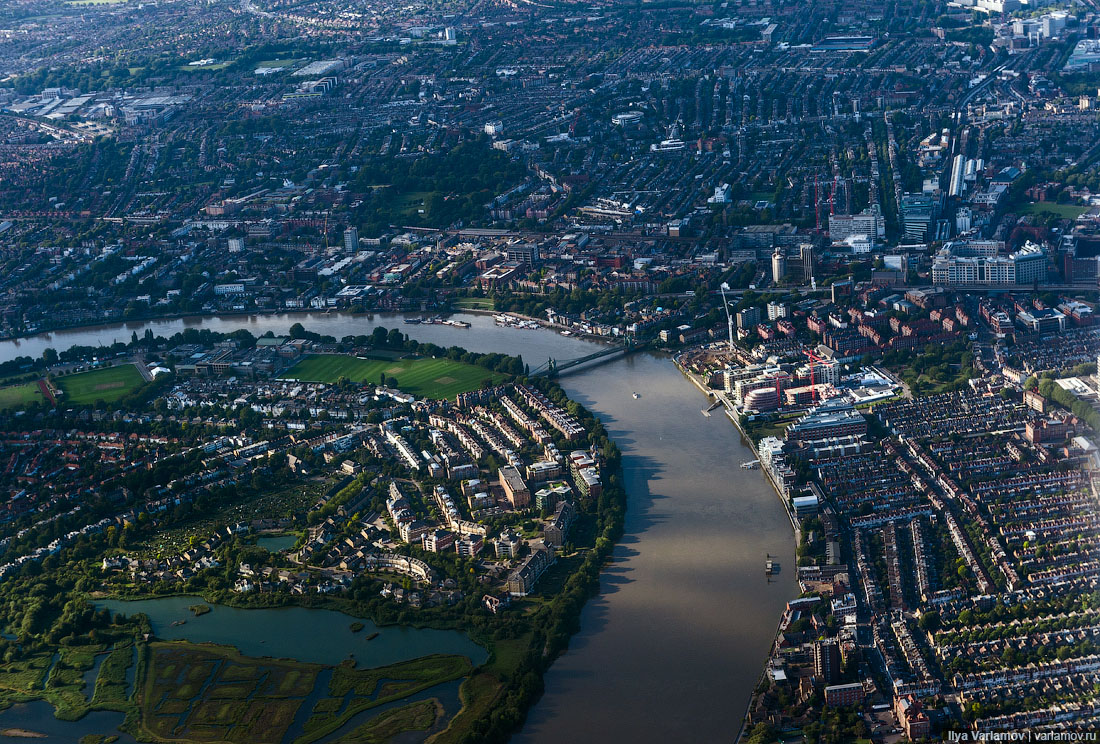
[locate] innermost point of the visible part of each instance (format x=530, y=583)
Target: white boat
x=750, y=465
x=566, y=333
x=636, y=395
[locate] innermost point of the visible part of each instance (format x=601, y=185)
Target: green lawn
x=477, y=303
x=204, y=68
x=18, y=396
x=411, y=203
x=108, y=384
x=424, y=378
x=1063, y=211
x=277, y=63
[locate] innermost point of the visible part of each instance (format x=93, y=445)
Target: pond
x=316, y=636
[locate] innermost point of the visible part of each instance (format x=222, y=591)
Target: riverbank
x=732, y=416
x=541, y=322
x=291, y=312
x=158, y=318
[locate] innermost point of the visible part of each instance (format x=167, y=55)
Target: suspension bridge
x=554, y=368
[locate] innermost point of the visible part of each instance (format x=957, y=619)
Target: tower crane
x=729, y=318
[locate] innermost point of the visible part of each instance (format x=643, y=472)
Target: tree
x=929, y=621
x=49, y=356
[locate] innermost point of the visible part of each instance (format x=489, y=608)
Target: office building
x=1085, y=54
x=918, y=212
x=523, y=253
x=829, y=420
x=806, y=259
x=977, y=262
x=869, y=222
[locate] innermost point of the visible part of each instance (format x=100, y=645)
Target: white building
x=976, y=262
x=723, y=194
x=777, y=310
x=869, y=222
x=1087, y=52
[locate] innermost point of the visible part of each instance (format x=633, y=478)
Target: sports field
x=108, y=384
x=1062, y=211
x=18, y=396
x=424, y=378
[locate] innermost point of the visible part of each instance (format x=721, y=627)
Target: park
x=419, y=376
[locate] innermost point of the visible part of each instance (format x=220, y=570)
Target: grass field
x=425, y=378
x=17, y=396
x=1064, y=211
x=204, y=68
x=275, y=63
x=108, y=384
x=411, y=203
x=477, y=303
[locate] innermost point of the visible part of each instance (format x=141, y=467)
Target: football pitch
x=424, y=378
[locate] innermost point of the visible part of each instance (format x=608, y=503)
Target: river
x=673, y=645
x=483, y=336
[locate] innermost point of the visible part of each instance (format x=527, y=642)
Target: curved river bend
x=676, y=640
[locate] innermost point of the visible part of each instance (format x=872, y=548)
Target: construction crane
x=817, y=205
x=814, y=358
x=726, y=307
